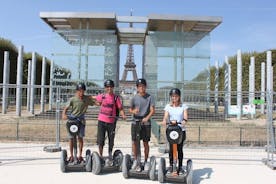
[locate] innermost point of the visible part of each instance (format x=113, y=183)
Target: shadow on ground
x=201, y=174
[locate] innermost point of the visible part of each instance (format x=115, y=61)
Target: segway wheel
x=162, y=170
x=88, y=160
x=189, y=168
x=63, y=161
x=96, y=163
x=152, y=168
x=118, y=159
x=126, y=165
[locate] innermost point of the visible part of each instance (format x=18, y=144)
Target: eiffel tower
x=130, y=66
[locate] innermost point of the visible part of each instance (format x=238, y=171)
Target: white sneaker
x=138, y=168
x=108, y=162
x=134, y=165
x=181, y=171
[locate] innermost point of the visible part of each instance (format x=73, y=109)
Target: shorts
x=102, y=129
x=143, y=131
x=81, y=133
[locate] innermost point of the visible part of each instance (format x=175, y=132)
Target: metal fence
x=209, y=123
x=204, y=113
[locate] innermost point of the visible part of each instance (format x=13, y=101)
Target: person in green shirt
x=78, y=104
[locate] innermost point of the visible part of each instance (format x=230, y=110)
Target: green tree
x=259, y=58
x=6, y=45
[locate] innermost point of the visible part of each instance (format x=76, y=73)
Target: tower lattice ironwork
x=130, y=66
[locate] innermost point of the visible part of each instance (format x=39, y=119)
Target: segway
x=106, y=164
x=146, y=172
x=174, y=136
x=84, y=165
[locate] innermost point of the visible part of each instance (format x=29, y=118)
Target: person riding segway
x=175, y=119
x=110, y=104
x=75, y=164
x=76, y=130
x=142, y=108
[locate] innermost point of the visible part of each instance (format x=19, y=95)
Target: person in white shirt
x=176, y=112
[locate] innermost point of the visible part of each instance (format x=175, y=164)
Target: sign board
x=258, y=101
x=246, y=109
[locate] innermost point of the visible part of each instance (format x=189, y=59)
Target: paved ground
x=28, y=163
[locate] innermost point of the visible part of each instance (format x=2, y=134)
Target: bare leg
x=134, y=150
x=80, y=146
x=71, y=147
x=146, y=150
x=101, y=150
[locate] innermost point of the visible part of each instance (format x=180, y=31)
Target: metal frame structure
x=180, y=35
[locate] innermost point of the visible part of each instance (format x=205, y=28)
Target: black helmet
x=175, y=91
x=141, y=81
x=80, y=86
x=108, y=83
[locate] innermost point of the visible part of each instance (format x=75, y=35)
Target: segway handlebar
x=174, y=122
x=75, y=118
x=117, y=117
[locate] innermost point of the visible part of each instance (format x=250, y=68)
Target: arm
x=122, y=113
x=132, y=108
x=164, y=122
x=64, y=116
x=119, y=105
x=165, y=118
x=185, y=117
x=95, y=100
x=152, y=111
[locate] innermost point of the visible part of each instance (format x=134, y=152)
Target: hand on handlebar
x=174, y=122
x=135, y=110
x=144, y=120
x=64, y=117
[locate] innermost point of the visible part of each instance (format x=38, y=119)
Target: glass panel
x=84, y=55
x=177, y=56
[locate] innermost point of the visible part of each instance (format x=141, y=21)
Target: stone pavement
x=23, y=162
x=123, y=135
x=28, y=163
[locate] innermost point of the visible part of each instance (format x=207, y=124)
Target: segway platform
x=174, y=136
x=103, y=165
x=164, y=176
x=76, y=165
x=144, y=173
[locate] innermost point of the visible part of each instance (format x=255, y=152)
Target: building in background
x=175, y=49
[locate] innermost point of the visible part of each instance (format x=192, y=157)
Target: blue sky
x=247, y=25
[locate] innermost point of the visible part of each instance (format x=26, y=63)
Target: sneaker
x=138, y=168
x=80, y=159
x=71, y=159
x=146, y=166
x=181, y=171
x=134, y=165
x=170, y=170
x=108, y=162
